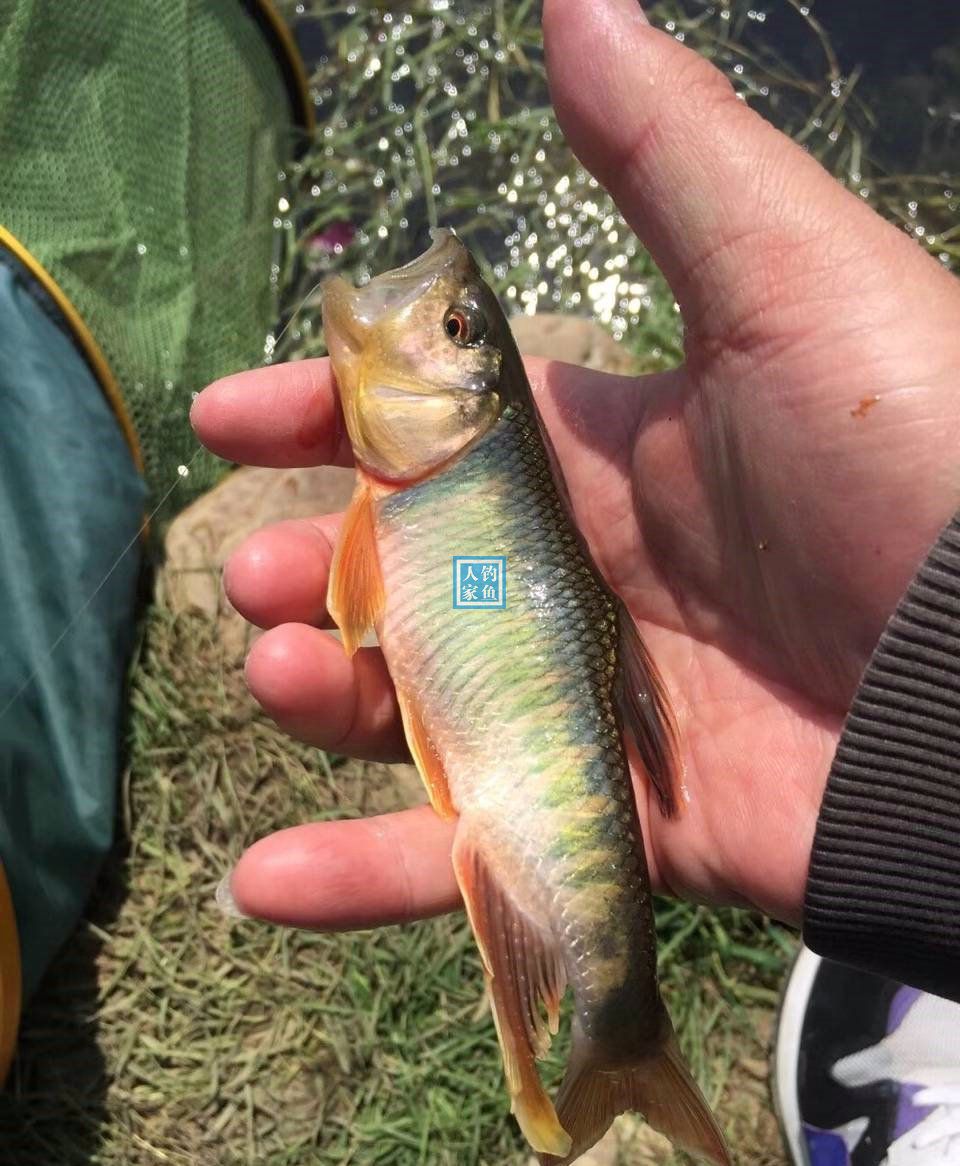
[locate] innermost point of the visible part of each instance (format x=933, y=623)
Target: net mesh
x=142, y=149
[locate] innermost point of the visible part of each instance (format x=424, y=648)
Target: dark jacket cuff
x=883, y=892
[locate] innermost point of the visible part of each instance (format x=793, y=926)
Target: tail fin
x=660, y=1087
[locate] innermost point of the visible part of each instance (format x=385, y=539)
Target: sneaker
x=866, y=1071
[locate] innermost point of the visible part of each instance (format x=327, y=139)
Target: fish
x=515, y=693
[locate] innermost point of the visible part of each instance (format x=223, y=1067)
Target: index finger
x=283, y=415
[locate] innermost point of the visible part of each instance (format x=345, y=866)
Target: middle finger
x=303, y=679
x=280, y=573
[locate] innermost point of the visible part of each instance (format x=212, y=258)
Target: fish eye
x=464, y=325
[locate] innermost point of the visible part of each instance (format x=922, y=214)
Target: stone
x=202, y=537
x=574, y=339
x=605, y=1153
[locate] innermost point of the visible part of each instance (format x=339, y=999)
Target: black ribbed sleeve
x=883, y=891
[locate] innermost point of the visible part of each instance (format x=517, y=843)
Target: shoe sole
x=786, y=1053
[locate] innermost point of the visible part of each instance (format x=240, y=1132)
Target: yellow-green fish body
x=520, y=704
x=513, y=712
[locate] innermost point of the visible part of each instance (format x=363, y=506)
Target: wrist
x=883, y=889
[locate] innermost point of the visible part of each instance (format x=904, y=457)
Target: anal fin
x=523, y=971
x=426, y=758
x=646, y=714
x=355, y=596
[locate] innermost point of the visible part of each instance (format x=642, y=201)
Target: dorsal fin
x=641, y=697
x=646, y=714
x=355, y=596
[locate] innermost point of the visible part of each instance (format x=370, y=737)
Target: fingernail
x=225, y=900
x=193, y=405
x=632, y=8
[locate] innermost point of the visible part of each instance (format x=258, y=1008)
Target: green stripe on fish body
x=519, y=701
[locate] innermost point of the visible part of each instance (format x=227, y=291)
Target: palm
x=748, y=744
x=749, y=532
x=755, y=749
x=759, y=510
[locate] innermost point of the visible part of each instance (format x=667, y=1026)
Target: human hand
x=759, y=510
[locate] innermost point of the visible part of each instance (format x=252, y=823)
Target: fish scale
x=542, y=711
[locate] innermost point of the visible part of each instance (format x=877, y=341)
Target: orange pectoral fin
x=645, y=712
x=523, y=971
x=426, y=758
x=355, y=597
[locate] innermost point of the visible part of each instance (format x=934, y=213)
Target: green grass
x=168, y=1033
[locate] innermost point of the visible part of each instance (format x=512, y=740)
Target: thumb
x=732, y=211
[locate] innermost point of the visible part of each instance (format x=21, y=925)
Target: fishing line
x=182, y=472
x=296, y=312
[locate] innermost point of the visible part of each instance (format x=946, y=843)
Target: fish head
x=418, y=354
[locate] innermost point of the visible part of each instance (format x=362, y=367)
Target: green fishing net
x=141, y=150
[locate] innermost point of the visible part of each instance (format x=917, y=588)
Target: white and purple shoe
x=866, y=1071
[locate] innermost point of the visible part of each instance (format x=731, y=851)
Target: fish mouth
x=352, y=310
x=341, y=317
x=445, y=250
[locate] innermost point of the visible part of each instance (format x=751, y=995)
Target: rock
x=200, y=539
x=640, y=1144
x=605, y=1153
x=573, y=339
